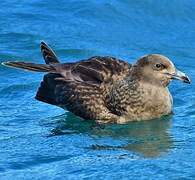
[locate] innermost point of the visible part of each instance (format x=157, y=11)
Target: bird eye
x=158, y=66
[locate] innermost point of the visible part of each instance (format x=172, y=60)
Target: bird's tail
x=46, y=91
x=48, y=55
x=29, y=66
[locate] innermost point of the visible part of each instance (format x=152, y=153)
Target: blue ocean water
x=42, y=141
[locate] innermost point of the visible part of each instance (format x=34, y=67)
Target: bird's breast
x=153, y=102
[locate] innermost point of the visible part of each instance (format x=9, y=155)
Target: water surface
x=42, y=141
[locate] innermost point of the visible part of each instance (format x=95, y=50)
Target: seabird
x=107, y=89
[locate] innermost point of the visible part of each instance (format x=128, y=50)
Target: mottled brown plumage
x=107, y=89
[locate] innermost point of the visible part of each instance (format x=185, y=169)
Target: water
x=42, y=141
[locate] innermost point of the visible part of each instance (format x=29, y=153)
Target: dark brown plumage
x=106, y=89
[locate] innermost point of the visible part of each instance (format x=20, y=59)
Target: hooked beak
x=180, y=76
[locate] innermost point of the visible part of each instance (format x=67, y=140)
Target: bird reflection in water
x=147, y=138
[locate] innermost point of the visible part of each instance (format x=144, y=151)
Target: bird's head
x=158, y=70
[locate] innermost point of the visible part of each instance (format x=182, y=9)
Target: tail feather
x=46, y=91
x=30, y=66
x=48, y=55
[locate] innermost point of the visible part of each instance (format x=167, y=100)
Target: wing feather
x=48, y=54
x=82, y=87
